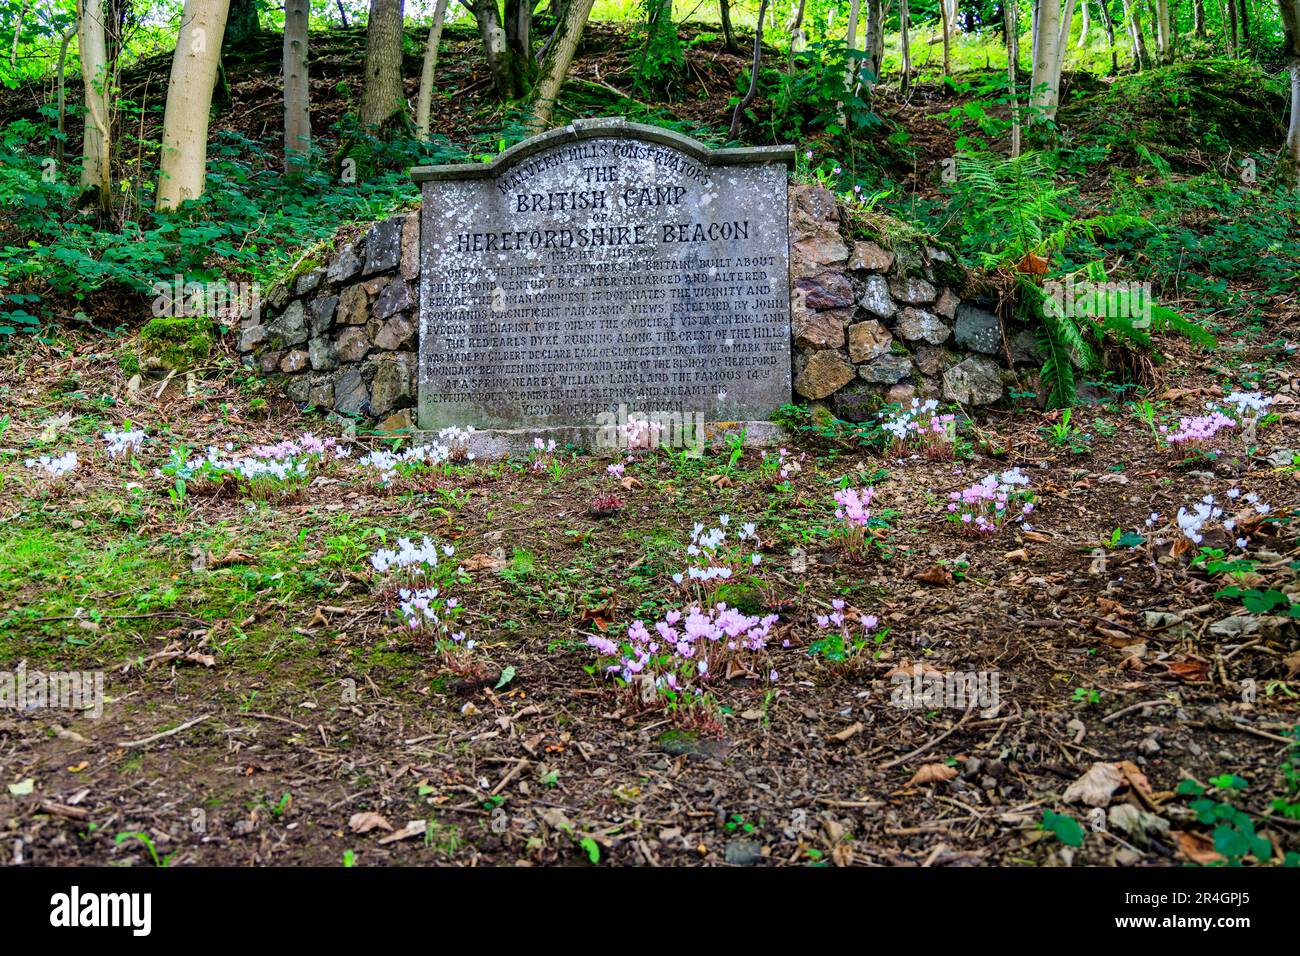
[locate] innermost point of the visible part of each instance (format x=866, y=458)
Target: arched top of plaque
x=605, y=128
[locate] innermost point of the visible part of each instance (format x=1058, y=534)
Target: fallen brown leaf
x=932, y=773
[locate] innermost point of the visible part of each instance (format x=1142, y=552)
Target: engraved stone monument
x=603, y=269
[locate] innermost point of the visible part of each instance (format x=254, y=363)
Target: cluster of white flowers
x=1193, y=522
x=421, y=610
x=1250, y=404
x=708, y=557
x=118, y=442
x=247, y=467
x=409, y=557
x=54, y=467
x=456, y=440
x=387, y=463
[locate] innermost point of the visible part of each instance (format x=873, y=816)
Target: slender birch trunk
x=183, y=167
x=424, y=102
x=1290, y=11
x=96, y=170
x=297, y=89
x=555, y=64
x=1011, y=28
x=1047, y=38
x=903, y=17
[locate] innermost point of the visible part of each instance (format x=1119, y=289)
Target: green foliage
x=1063, y=826
x=177, y=342
x=661, y=57
x=1234, y=830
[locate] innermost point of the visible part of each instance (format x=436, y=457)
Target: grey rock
x=857, y=402
x=277, y=296
x=393, y=386
x=978, y=330
x=350, y=395
x=411, y=245
x=353, y=307
x=384, y=246
x=947, y=304
x=251, y=337
x=743, y=852
x=324, y=357
x=269, y=361
x=935, y=361
x=397, y=333
x=345, y=266
x=813, y=329
x=395, y=298
x=322, y=392
x=1237, y=625
x=917, y=325
x=1024, y=348
x=975, y=381
x=875, y=298
x=290, y=328
x=869, y=256
x=297, y=388
x=912, y=291
x=322, y=313
x=309, y=281
x=887, y=369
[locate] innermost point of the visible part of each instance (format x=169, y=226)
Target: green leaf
x=1064, y=826
x=592, y=848
x=507, y=675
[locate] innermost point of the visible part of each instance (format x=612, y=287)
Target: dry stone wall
x=872, y=321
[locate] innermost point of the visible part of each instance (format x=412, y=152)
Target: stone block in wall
x=947, y=304
x=917, y=325
x=294, y=361
x=935, y=361
x=269, y=361
x=411, y=245
x=321, y=394
x=289, y=328
x=868, y=340
x=384, y=246
x=251, y=337
x=309, y=281
x=856, y=402
x=817, y=329
x=393, y=383
x=324, y=356
x=345, y=265
x=352, y=344
x=826, y=290
x=395, y=297
x=396, y=334
x=876, y=299
x=978, y=330
x=322, y=314
x=911, y=291
x=354, y=306
x=871, y=257
x=887, y=369
x=901, y=394
x=350, y=394
x=976, y=380
x=822, y=250
x=1025, y=348
x=825, y=372
x=812, y=206
x=297, y=388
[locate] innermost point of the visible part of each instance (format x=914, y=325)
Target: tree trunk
x=519, y=41
x=555, y=64
x=1084, y=25
x=1047, y=38
x=425, y=102
x=1109, y=23
x=242, y=23
x=1164, y=39
x=61, y=80
x=343, y=14
x=1230, y=27
x=382, y=98
x=495, y=49
x=1133, y=23
x=1245, y=22
x=946, y=24
x=1198, y=18
x=183, y=167
x=875, y=36
x=96, y=171
x=748, y=98
x=729, y=32
x=297, y=90
x=1011, y=32
x=903, y=18
x=850, y=45
x=798, y=38
x=1290, y=12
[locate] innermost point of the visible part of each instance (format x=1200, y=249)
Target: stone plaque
x=599, y=269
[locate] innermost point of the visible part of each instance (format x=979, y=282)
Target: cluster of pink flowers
x=641, y=434
x=307, y=444
x=615, y=470
x=920, y=425
x=1197, y=430
x=845, y=635
x=542, y=454
x=781, y=465
x=853, y=512
x=687, y=648
x=990, y=503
